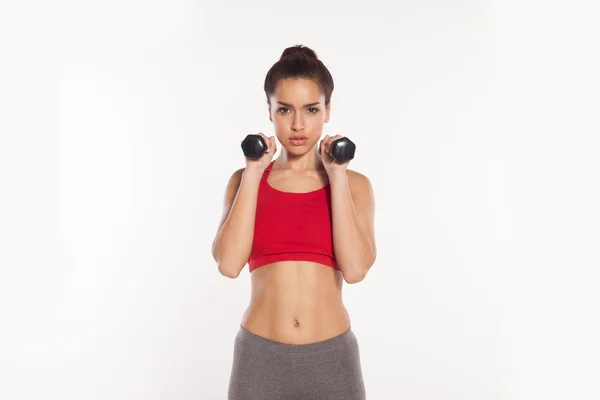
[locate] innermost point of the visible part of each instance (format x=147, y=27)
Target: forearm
x=352, y=247
x=233, y=242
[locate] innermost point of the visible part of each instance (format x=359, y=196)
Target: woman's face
x=298, y=110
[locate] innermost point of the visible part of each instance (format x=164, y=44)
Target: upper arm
x=363, y=198
x=230, y=193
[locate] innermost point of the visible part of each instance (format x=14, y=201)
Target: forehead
x=297, y=91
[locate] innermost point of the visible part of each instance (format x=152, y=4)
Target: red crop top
x=292, y=226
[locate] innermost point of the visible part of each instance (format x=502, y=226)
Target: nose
x=298, y=124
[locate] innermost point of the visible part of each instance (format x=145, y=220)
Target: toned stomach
x=296, y=302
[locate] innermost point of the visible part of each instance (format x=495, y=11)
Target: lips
x=298, y=141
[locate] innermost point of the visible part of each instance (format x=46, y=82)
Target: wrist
x=339, y=174
x=253, y=172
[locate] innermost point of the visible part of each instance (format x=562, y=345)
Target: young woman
x=304, y=223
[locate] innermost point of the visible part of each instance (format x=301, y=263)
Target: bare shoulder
x=359, y=183
x=236, y=176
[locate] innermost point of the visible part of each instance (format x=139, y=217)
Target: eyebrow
x=291, y=106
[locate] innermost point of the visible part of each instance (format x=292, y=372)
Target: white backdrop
x=477, y=123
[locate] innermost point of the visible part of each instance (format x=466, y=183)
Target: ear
x=270, y=118
x=327, y=112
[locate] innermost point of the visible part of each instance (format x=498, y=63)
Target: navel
x=296, y=323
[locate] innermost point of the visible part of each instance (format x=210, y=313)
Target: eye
x=315, y=110
x=281, y=109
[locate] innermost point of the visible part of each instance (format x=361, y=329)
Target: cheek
x=280, y=122
x=315, y=123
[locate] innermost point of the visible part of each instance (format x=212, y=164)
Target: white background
x=476, y=121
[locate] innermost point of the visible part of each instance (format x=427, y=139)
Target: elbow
x=229, y=271
x=355, y=275
x=351, y=279
x=358, y=273
x=226, y=269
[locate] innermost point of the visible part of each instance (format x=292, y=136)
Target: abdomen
x=296, y=302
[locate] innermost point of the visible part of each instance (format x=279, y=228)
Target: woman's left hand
x=329, y=162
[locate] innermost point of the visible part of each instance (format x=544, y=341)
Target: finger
x=272, y=145
x=323, y=145
x=330, y=144
x=268, y=142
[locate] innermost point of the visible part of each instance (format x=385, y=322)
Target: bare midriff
x=296, y=302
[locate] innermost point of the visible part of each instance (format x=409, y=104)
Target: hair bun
x=298, y=51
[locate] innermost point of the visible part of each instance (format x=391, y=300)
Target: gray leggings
x=264, y=369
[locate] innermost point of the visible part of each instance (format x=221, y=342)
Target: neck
x=304, y=162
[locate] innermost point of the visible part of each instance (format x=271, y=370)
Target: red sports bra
x=292, y=226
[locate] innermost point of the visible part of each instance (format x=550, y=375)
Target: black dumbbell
x=254, y=146
x=342, y=149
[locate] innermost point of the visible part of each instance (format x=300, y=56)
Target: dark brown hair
x=299, y=62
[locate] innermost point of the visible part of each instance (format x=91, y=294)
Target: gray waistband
x=292, y=348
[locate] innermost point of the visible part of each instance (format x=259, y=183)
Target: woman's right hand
x=261, y=164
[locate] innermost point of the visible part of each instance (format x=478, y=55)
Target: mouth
x=298, y=140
